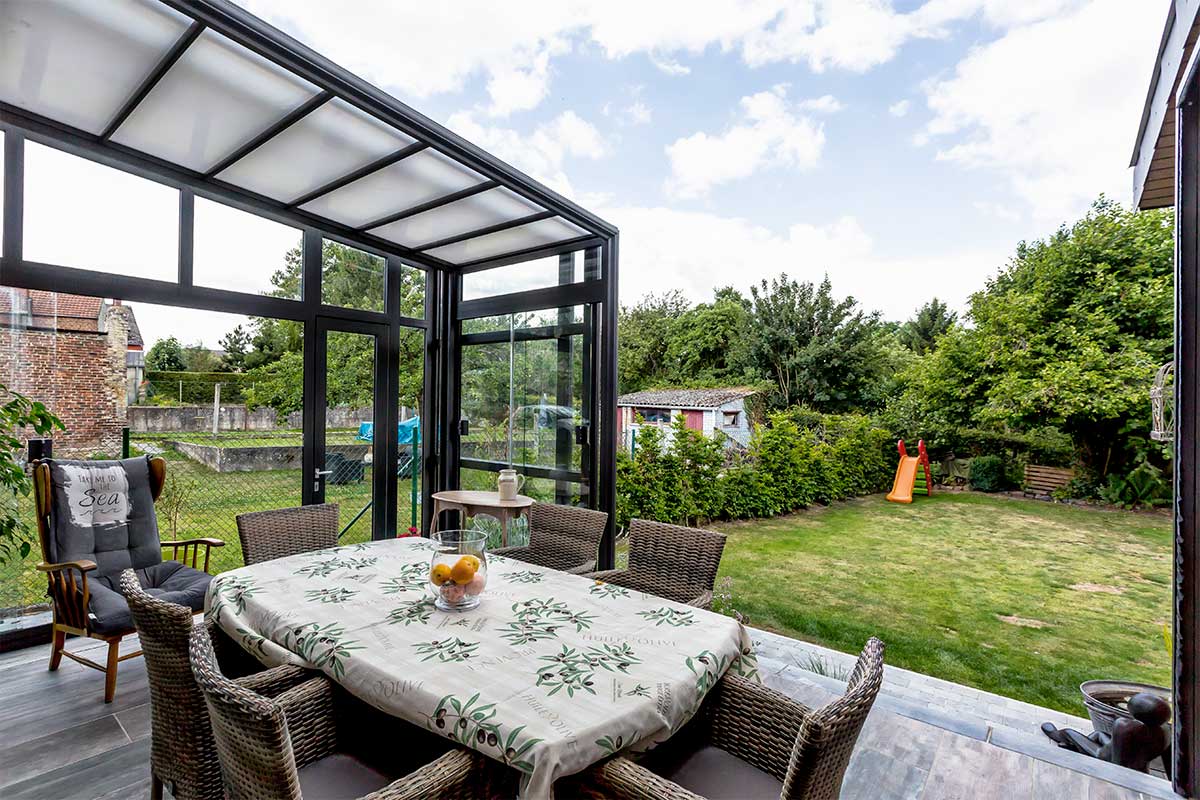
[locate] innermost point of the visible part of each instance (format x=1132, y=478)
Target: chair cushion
x=103, y=511
x=340, y=776
x=169, y=581
x=711, y=772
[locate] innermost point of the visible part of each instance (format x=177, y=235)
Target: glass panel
x=77, y=61
x=412, y=292
x=72, y=219
x=352, y=278
x=536, y=274
x=469, y=214
x=243, y=252
x=349, y=429
x=408, y=470
x=332, y=141
x=165, y=364
x=524, y=399
x=421, y=177
x=214, y=99
x=547, y=231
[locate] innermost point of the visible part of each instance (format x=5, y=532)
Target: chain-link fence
x=213, y=478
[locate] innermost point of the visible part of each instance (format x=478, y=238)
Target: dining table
x=549, y=674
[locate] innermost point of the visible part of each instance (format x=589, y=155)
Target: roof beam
x=361, y=172
x=475, y=234
x=150, y=81
x=530, y=253
x=288, y=120
x=438, y=202
x=253, y=33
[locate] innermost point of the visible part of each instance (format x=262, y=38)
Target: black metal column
x=565, y=383
x=314, y=363
x=606, y=433
x=1186, y=668
x=14, y=197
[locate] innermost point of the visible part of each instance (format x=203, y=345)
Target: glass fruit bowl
x=458, y=569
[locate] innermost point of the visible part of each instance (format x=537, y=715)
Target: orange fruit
x=464, y=569
x=439, y=574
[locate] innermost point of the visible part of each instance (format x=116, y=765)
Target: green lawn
x=1019, y=597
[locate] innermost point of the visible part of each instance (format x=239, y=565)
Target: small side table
x=472, y=503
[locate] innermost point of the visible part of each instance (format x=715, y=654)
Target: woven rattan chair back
x=675, y=556
x=572, y=535
x=285, y=532
x=182, y=752
x=251, y=733
x=827, y=738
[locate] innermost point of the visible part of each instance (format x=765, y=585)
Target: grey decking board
x=36, y=756
x=136, y=721
x=117, y=773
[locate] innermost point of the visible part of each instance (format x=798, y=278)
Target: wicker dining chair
x=749, y=742
x=183, y=755
x=565, y=538
x=670, y=561
x=283, y=532
x=288, y=747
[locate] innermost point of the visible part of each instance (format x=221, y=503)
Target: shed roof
x=684, y=398
x=216, y=93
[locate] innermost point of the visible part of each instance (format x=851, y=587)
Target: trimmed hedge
x=197, y=386
x=798, y=459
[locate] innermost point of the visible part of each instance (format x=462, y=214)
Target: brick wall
x=80, y=376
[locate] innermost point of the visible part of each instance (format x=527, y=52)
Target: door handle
x=321, y=472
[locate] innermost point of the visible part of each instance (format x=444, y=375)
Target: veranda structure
x=208, y=100
x=1166, y=172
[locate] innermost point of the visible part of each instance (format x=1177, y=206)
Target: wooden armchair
x=95, y=519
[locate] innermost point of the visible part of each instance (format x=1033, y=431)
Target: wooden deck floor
x=59, y=741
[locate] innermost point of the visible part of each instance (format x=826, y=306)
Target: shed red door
x=695, y=419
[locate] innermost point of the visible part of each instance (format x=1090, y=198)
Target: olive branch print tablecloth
x=549, y=674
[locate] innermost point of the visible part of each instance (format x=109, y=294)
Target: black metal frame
x=1186, y=663
x=441, y=323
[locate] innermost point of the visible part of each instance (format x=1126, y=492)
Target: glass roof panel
x=471, y=213
x=78, y=61
x=421, y=177
x=546, y=231
x=333, y=140
x=214, y=99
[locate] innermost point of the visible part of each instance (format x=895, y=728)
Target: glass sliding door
x=348, y=445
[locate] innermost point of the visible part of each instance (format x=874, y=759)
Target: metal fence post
x=125, y=442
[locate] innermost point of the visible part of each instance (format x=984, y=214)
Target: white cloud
x=998, y=210
x=543, y=153
x=637, y=113
x=425, y=49
x=825, y=104
x=1052, y=106
x=769, y=134
x=900, y=108
x=695, y=252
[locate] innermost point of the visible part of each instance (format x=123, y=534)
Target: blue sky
x=903, y=147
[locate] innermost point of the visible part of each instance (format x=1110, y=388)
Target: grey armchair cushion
x=169, y=581
x=340, y=776
x=103, y=511
x=712, y=772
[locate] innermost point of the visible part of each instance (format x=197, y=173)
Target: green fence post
x=416, y=469
x=125, y=442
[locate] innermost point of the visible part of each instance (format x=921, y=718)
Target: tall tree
x=235, y=344
x=818, y=350
x=166, y=355
x=1069, y=334
x=921, y=332
x=645, y=336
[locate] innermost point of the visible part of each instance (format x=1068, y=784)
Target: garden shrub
x=798, y=459
x=989, y=474
x=1144, y=485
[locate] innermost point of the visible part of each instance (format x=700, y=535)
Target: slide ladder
x=913, y=475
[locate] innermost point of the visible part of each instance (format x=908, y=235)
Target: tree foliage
x=166, y=355
x=1068, y=335
x=932, y=320
x=18, y=415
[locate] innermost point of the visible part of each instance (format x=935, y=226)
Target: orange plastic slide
x=906, y=475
